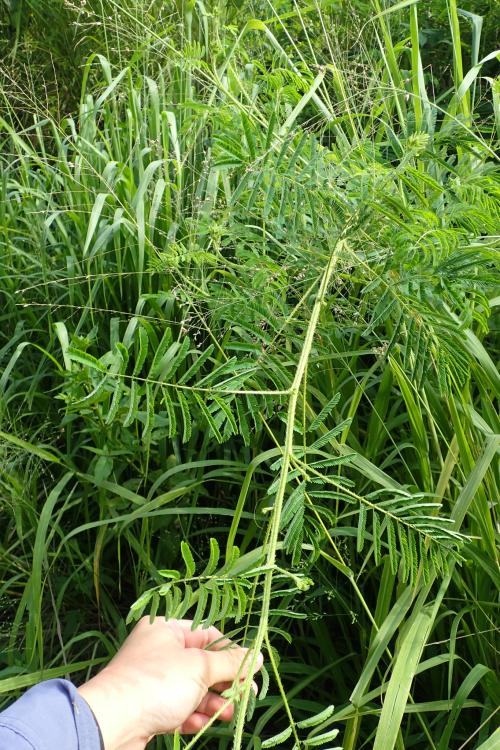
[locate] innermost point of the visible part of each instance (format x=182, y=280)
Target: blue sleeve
x=50, y=716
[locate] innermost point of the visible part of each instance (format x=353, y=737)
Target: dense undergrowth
x=247, y=353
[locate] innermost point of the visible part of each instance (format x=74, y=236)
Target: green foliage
x=214, y=595
x=248, y=364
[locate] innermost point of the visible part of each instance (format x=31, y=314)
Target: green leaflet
x=213, y=559
x=143, y=350
x=169, y=405
x=361, y=528
x=277, y=739
x=197, y=365
x=188, y=558
x=165, y=342
x=203, y=595
x=186, y=416
x=316, y=719
x=172, y=359
x=293, y=505
x=328, y=436
x=324, y=413
x=119, y=385
x=320, y=739
x=133, y=404
x=83, y=358
x=208, y=416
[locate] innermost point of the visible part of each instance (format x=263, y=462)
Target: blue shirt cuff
x=50, y=716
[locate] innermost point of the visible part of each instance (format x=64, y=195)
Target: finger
x=212, y=703
x=181, y=629
x=224, y=666
x=219, y=687
x=228, y=665
x=207, y=708
x=194, y=723
x=200, y=637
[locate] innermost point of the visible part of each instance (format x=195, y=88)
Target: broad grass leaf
x=35, y=450
x=492, y=742
x=403, y=672
x=23, y=681
x=95, y=215
x=477, y=673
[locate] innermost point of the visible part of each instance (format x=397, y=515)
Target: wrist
x=111, y=702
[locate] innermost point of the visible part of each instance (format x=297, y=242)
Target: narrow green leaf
x=403, y=672
x=34, y=450
x=23, y=681
x=95, y=215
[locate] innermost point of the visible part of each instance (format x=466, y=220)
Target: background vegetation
x=247, y=353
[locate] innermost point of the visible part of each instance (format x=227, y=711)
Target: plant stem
x=274, y=523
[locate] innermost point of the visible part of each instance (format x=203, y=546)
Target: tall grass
x=248, y=369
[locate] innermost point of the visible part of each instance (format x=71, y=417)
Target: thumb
x=227, y=665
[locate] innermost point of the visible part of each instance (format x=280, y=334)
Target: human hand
x=164, y=678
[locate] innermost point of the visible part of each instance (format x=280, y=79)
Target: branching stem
x=274, y=522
